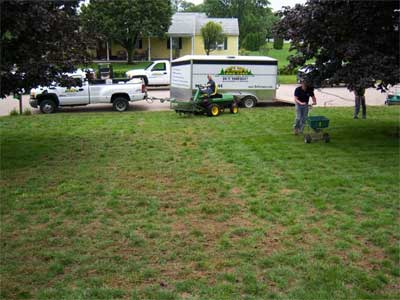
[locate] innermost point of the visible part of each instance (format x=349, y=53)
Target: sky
x=275, y=4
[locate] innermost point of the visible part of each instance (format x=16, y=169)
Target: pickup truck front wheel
x=48, y=106
x=120, y=104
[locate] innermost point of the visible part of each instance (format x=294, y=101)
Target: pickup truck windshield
x=150, y=64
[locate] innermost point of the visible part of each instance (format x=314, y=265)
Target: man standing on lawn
x=302, y=95
x=360, y=101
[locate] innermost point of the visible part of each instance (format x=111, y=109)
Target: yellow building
x=185, y=37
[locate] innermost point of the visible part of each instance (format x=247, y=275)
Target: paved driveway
x=338, y=96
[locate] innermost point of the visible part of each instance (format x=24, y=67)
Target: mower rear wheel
x=234, y=108
x=213, y=110
x=326, y=137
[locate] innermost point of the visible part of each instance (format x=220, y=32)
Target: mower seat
x=212, y=95
x=215, y=96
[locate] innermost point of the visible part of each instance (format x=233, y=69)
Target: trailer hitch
x=152, y=99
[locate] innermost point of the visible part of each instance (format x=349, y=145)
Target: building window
x=176, y=43
x=139, y=43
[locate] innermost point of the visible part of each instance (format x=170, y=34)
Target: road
x=337, y=96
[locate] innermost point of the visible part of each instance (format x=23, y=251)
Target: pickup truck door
x=76, y=95
x=159, y=74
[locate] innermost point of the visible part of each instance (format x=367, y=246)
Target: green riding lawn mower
x=211, y=105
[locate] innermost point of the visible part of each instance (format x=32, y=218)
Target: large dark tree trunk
x=129, y=51
x=129, y=46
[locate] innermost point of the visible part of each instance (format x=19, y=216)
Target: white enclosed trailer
x=251, y=79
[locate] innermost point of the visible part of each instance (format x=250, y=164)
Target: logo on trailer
x=235, y=74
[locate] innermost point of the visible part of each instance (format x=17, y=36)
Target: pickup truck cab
x=157, y=73
x=118, y=92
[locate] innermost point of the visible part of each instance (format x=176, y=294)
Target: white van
x=251, y=79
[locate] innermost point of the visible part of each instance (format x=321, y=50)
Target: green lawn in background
x=145, y=205
x=287, y=79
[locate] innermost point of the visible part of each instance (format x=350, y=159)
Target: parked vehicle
x=393, y=97
x=309, y=72
x=305, y=71
x=116, y=92
x=250, y=79
x=157, y=73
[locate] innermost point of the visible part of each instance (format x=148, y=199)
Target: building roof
x=189, y=24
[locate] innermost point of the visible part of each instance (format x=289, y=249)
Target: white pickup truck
x=157, y=73
x=117, y=92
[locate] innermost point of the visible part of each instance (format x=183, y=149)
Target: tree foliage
x=278, y=43
x=355, y=42
x=39, y=41
x=253, y=15
x=186, y=6
x=253, y=41
x=213, y=35
x=124, y=21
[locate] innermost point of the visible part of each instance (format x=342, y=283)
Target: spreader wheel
x=307, y=139
x=213, y=110
x=234, y=108
x=326, y=137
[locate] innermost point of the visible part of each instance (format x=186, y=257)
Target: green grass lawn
x=150, y=205
x=280, y=54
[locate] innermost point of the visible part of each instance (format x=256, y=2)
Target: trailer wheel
x=213, y=110
x=120, y=104
x=249, y=101
x=234, y=108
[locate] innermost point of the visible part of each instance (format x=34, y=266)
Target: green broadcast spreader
x=201, y=104
x=315, y=129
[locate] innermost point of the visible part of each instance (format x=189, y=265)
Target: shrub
x=278, y=43
x=253, y=41
x=27, y=112
x=286, y=71
x=14, y=112
x=244, y=52
x=264, y=49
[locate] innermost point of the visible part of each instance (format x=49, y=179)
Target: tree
x=254, y=40
x=355, y=42
x=185, y=6
x=212, y=36
x=39, y=41
x=124, y=21
x=278, y=43
x=253, y=15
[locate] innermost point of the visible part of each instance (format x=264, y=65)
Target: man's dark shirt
x=360, y=92
x=304, y=95
x=211, y=85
